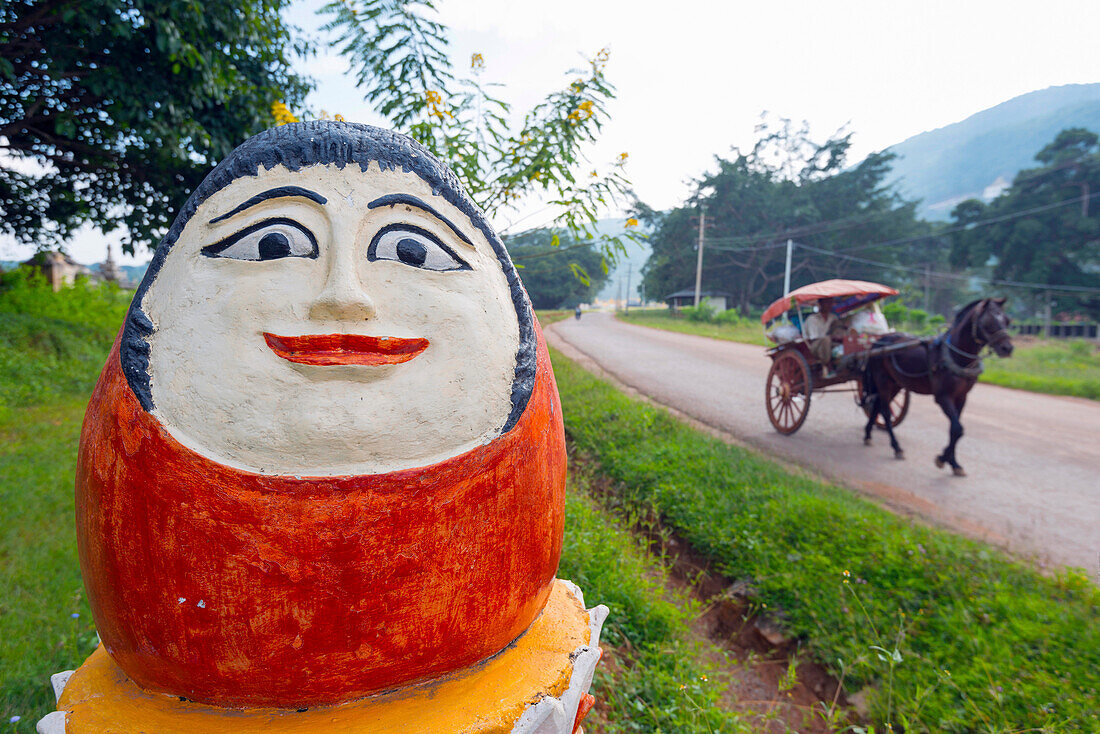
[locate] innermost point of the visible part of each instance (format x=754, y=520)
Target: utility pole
x=699, y=260
x=927, y=286
x=1046, y=314
x=787, y=271
x=626, y=303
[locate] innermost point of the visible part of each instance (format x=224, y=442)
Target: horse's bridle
x=981, y=337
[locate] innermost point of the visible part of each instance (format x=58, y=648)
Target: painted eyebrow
x=275, y=193
x=395, y=199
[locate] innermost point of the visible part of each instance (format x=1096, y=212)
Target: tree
x=1042, y=229
x=401, y=61
x=112, y=111
x=787, y=186
x=557, y=275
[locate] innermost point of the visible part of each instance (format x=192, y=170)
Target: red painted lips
x=332, y=349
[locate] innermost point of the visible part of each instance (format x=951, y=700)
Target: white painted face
x=420, y=332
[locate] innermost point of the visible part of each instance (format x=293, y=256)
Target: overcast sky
x=693, y=77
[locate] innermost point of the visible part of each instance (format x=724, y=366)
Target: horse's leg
x=947, y=405
x=870, y=393
x=884, y=400
x=957, y=470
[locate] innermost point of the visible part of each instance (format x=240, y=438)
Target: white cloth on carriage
x=869, y=321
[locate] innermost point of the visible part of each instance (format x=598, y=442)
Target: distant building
x=58, y=268
x=718, y=300
x=110, y=272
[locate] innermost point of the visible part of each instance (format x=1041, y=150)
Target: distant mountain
x=134, y=272
x=628, y=267
x=979, y=156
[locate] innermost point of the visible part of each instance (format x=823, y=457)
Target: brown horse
x=945, y=367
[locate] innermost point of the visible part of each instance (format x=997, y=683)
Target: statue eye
x=271, y=239
x=414, y=246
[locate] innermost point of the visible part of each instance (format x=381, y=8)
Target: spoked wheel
x=899, y=407
x=787, y=393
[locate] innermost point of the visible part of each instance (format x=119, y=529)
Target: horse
x=946, y=367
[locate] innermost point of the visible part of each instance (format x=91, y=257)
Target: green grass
x=748, y=331
x=656, y=683
x=53, y=345
x=548, y=317
x=983, y=644
x=40, y=586
x=1057, y=367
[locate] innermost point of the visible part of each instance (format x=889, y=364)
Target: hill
x=628, y=267
x=981, y=154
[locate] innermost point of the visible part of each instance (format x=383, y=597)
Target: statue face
x=331, y=321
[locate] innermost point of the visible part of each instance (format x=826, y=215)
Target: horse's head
x=991, y=326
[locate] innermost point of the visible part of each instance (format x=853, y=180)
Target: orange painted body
x=241, y=589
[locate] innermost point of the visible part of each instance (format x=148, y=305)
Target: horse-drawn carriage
x=798, y=370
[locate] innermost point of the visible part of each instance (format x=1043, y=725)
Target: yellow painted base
x=487, y=698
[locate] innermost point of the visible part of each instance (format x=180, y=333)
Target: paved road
x=1033, y=460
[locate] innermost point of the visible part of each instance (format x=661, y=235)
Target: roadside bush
x=729, y=316
x=912, y=320
x=707, y=313
x=703, y=313
x=53, y=344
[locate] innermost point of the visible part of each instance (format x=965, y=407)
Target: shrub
x=53, y=344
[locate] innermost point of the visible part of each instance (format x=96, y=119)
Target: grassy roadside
x=652, y=679
x=946, y=635
x=1070, y=367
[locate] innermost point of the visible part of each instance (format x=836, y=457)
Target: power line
x=839, y=224
x=555, y=251
x=806, y=230
x=953, y=276
x=971, y=225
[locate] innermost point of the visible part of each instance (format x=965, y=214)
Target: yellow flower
x=435, y=104
x=623, y=157
x=584, y=111
x=477, y=62
x=600, y=61
x=595, y=175
x=281, y=114
x=632, y=222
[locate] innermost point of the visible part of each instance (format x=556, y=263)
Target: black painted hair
x=296, y=146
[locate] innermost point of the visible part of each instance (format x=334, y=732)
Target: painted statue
x=325, y=460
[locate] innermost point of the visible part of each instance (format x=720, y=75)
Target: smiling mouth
x=334, y=349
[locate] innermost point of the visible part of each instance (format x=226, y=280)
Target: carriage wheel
x=787, y=393
x=899, y=407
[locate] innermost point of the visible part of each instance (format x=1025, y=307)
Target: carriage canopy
x=848, y=294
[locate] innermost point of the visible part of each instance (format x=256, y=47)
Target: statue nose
x=342, y=299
